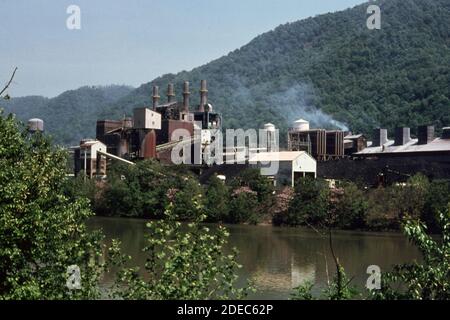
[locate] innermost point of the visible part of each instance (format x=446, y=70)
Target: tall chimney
x=402, y=136
x=379, y=137
x=186, y=94
x=203, y=96
x=425, y=134
x=170, y=93
x=155, y=97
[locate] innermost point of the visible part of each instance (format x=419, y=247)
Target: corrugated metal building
x=291, y=165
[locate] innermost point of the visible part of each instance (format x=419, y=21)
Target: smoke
x=297, y=102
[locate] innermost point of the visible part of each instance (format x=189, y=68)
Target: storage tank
x=271, y=137
x=269, y=127
x=35, y=124
x=301, y=125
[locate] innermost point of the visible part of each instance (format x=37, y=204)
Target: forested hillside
x=330, y=69
x=70, y=116
x=399, y=75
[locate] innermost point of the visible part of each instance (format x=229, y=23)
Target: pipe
x=170, y=93
x=155, y=97
x=203, y=96
x=186, y=94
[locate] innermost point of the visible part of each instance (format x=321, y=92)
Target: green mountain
x=70, y=116
x=330, y=69
x=399, y=75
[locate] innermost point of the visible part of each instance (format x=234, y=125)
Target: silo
x=301, y=125
x=35, y=124
x=272, y=142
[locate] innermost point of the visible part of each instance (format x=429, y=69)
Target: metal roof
x=437, y=145
x=354, y=136
x=276, y=156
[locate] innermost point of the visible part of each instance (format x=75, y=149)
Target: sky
x=131, y=42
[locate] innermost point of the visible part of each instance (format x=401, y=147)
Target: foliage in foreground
x=429, y=280
x=183, y=262
x=42, y=232
x=338, y=289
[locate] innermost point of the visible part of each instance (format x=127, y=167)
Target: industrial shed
x=292, y=165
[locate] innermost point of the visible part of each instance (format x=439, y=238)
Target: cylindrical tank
x=301, y=125
x=271, y=137
x=269, y=127
x=35, y=125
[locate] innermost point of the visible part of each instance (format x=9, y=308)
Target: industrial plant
x=331, y=154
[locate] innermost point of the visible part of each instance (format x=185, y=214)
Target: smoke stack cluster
x=203, y=96
x=155, y=97
x=170, y=93
x=186, y=94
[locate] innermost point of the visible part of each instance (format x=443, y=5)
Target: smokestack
x=379, y=137
x=170, y=93
x=402, y=136
x=203, y=96
x=155, y=97
x=186, y=94
x=425, y=134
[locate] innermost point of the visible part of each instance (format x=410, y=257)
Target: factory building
x=354, y=143
x=385, y=161
x=291, y=165
x=403, y=145
x=88, y=159
x=323, y=145
x=150, y=133
x=139, y=137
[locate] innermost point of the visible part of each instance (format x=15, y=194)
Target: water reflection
x=279, y=259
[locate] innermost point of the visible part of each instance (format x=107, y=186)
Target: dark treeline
x=144, y=190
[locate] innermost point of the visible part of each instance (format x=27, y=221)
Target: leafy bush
x=217, y=200
x=309, y=204
x=427, y=280
x=351, y=209
x=42, y=231
x=182, y=263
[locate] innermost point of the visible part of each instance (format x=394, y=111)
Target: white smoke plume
x=297, y=103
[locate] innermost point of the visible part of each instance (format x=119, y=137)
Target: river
x=278, y=259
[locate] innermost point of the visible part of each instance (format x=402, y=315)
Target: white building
x=291, y=165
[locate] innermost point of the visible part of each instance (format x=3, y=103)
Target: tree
x=309, y=204
x=243, y=206
x=217, y=200
x=183, y=262
x=42, y=231
x=351, y=208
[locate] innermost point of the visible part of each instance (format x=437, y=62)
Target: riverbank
x=146, y=189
